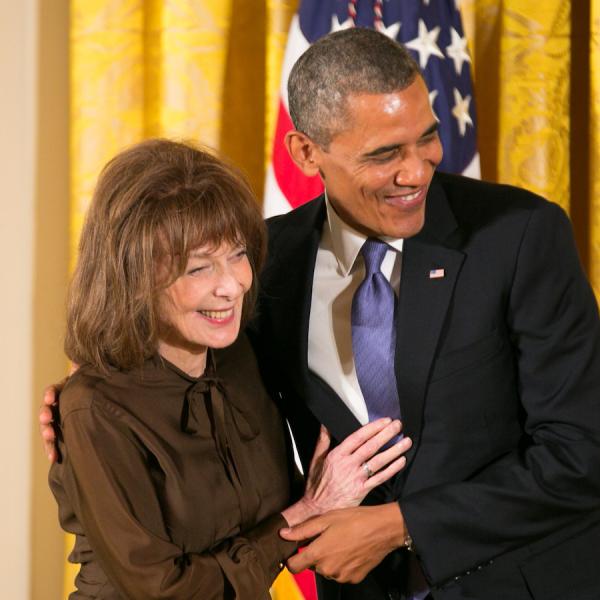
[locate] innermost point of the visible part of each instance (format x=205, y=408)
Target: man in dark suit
x=495, y=348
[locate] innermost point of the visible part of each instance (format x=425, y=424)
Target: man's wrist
x=393, y=521
x=408, y=543
x=406, y=540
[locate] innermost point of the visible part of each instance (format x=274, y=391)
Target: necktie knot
x=373, y=252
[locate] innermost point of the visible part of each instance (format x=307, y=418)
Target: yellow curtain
x=521, y=70
x=140, y=69
x=537, y=85
x=279, y=16
x=209, y=70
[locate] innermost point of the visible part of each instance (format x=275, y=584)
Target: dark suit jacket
x=498, y=372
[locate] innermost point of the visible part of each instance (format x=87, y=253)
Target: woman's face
x=203, y=307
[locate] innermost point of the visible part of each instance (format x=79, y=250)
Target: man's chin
x=405, y=226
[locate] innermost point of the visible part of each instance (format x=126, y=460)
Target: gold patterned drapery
x=208, y=70
x=537, y=79
x=522, y=61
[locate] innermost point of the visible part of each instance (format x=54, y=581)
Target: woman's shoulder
x=85, y=389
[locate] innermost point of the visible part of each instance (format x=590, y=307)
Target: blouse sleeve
x=105, y=475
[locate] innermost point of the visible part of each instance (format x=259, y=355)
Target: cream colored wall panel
x=50, y=266
x=17, y=106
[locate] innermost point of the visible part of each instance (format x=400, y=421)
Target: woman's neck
x=192, y=362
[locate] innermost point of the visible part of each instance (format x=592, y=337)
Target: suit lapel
x=429, y=272
x=297, y=247
x=329, y=409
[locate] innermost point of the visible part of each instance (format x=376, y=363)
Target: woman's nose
x=227, y=284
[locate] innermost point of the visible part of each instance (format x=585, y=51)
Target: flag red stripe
x=305, y=580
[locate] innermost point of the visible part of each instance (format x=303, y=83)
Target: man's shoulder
x=474, y=200
x=303, y=216
x=460, y=190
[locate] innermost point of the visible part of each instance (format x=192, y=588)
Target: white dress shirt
x=339, y=270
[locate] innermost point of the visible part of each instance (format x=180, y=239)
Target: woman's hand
x=342, y=477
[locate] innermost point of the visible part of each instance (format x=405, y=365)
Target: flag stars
x=457, y=50
x=391, y=30
x=337, y=26
x=425, y=44
x=460, y=112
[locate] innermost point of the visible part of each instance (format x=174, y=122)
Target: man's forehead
x=371, y=115
x=390, y=98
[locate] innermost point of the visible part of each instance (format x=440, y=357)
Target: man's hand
x=46, y=420
x=348, y=543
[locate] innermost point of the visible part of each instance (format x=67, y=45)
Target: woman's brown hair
x=153, y=204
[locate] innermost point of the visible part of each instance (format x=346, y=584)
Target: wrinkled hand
x=348, y=543
x=339, y=479
x=342, y=477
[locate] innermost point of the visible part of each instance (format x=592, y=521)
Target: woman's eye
x=240, y=253
x=197, y=270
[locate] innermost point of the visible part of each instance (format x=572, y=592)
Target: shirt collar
x=347, y=241
x=158, y=365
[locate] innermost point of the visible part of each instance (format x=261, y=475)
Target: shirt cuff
x=271, y=549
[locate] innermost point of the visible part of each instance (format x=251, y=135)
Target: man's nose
x=412, y=168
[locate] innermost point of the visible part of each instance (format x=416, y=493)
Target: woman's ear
x=304, y=152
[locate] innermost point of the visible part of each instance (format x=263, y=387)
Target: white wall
x=50, y=265
x=17, y=151
x=33, y=269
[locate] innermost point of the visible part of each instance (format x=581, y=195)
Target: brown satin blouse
x=173, y=485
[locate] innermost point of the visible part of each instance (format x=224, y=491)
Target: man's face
x=378, y=169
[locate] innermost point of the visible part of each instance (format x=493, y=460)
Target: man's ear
x=304, y=152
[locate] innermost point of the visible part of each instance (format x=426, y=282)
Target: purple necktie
x=374, y=335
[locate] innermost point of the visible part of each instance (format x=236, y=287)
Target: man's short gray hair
x=351, y=61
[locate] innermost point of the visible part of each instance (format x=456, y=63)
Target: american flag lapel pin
x=436, y=273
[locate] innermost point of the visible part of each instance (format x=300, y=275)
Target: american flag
x=432, y=30
x=436, y=273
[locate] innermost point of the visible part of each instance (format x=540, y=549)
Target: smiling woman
x=175, y=469
x=203, y=307
x=156, y=206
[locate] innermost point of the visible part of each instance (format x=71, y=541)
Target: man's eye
x=385, y=157
x=429, y=138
